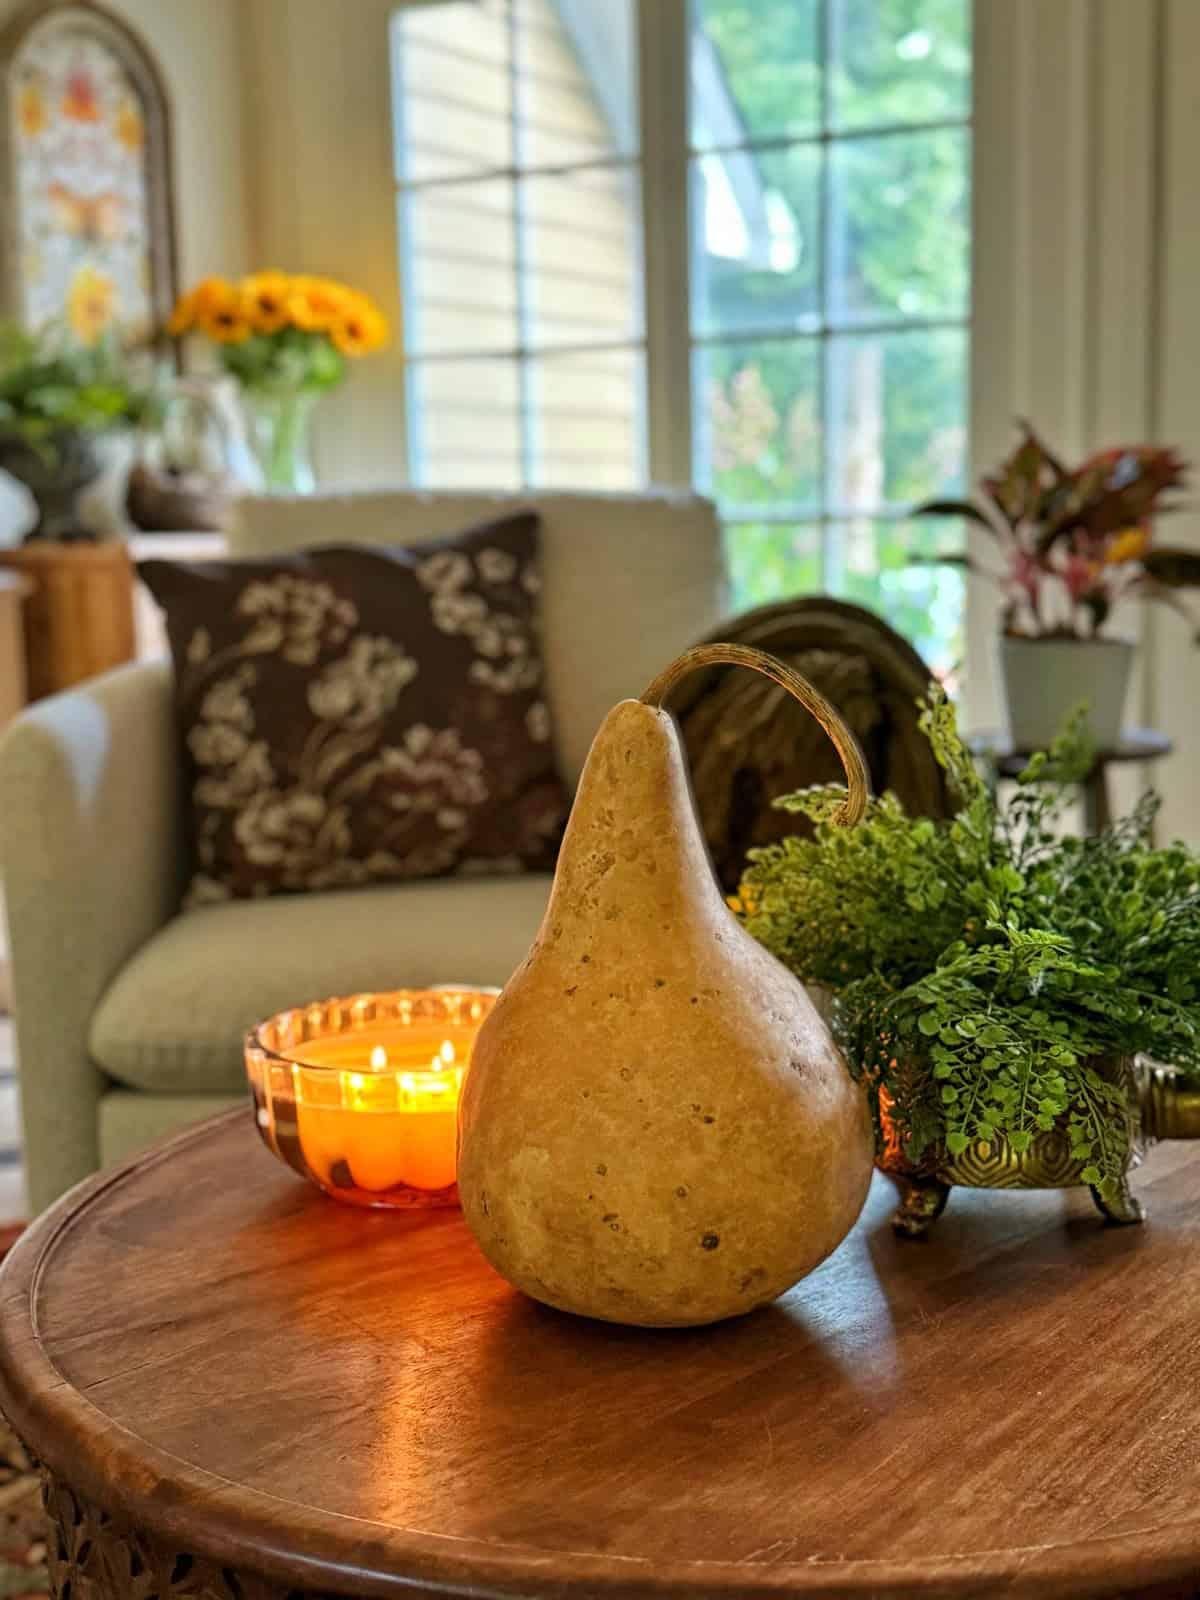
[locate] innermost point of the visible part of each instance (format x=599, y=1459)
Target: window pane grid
x=517, y=194
x=816, y=329
x=545, y=169
x=733, y=514
x=830, y=293
x=827, y=155
x=824, y=136
x=523, y=352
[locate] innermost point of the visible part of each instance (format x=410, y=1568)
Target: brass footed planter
x=1161, y=1105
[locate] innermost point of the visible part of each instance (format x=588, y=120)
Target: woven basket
x=177, y=502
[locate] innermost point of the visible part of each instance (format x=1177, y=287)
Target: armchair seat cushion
x=173, y=1019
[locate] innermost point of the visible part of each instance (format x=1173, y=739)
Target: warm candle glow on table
x=361, y=1094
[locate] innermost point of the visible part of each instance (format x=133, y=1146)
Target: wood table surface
x=239, y=1388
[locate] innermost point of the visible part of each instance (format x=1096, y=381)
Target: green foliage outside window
x=880, y=238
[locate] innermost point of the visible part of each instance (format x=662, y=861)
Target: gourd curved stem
x=858, y=782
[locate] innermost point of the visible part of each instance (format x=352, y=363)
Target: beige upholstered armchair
x=130, y=1012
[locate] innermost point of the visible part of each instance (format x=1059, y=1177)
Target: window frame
x=528, y=351
x=663, y=31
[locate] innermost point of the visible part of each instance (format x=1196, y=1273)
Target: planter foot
x=1122, y=1208
x=922, y=1201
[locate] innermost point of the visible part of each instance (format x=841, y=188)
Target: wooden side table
x=240, y=1390
x=14, y=590
x=1004, y=760
x=78, y=611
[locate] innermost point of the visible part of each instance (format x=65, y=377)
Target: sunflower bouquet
x=274, y=328
x=285, y=338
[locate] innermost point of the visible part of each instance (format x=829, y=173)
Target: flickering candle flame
x=393, y=1127
x=375, y=1082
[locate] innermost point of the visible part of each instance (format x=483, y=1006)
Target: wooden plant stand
x=14, y=590
x=79, y=616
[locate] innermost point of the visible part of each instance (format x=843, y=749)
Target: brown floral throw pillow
x=353, y=715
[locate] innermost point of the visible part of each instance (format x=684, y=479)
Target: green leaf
x=1040, y=956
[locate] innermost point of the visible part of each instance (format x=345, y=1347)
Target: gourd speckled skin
x=657, y=1127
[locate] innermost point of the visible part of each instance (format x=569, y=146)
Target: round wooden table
x=240, y=1390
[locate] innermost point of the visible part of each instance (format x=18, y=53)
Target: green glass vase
x=279, y=429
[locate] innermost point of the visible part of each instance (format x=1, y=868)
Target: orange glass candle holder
x=360, y=1093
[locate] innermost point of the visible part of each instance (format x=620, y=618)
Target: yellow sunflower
x=183, y=315
x=212, y=292
x=360, y=329
x=209, y=292
x=91, y=301
x=266, y=299
x=220, y=312
x=316, y=304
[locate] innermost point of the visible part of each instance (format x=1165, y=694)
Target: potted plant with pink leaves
x=1071, y=544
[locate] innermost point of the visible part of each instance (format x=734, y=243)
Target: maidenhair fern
x=986, y=967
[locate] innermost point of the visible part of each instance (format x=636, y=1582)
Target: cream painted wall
x=317, y=107
x=1174, y=698
x=198, y=46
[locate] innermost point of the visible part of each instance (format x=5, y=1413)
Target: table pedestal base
x=91, y=1556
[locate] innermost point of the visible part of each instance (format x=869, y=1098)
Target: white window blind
x=519, y=214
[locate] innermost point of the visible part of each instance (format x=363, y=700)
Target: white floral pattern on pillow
x=315, y=761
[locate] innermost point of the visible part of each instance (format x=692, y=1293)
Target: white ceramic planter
x=1045, y=679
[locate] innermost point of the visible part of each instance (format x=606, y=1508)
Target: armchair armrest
x=91, y=864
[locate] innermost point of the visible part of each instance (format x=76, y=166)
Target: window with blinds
x=517, y=171
x=807, y=193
